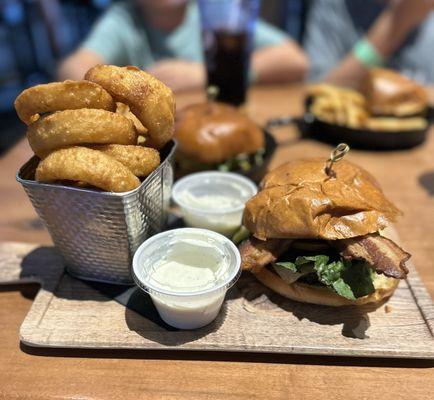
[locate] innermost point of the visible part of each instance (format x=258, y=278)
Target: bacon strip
x=256, y=254
x=385, y=256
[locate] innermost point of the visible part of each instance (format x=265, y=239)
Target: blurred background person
x=344, y=38
x=34, y=35
x=164, y=37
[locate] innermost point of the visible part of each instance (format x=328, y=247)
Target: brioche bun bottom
x=384, y=288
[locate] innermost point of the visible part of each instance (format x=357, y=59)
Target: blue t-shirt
x=334, y=27
x=122, y=37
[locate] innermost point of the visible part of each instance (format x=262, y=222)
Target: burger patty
x=385, y=256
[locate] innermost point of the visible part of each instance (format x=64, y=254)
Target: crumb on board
x=388, y=309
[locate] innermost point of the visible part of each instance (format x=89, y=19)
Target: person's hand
x=178, y=74
x=411, y=11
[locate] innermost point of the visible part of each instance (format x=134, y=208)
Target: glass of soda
x=227, y=31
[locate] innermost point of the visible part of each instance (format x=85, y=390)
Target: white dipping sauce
x=226, y=223
x=188, y=281
x=189, y=315
x=190, y=265
x=213, y=200
x=177, y=275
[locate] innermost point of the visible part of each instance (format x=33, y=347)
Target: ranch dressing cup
x=187, y=273
x=213, y=200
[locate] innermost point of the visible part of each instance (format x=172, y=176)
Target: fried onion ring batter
x=150, y=100
x=83, y=126
x=57, y=96
x=141, y=161
x=124, y=110
x=80, y=164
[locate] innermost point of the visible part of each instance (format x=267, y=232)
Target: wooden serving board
x=69, y=313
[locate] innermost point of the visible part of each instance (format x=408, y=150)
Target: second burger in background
x=216, y=136
x=390, y=94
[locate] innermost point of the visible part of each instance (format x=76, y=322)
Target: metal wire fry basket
x=96, y=232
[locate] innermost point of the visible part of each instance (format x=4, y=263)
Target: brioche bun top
x=299, y=200
x=392, y=94
x=215, y=132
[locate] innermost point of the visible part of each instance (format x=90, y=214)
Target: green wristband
x=367, y=54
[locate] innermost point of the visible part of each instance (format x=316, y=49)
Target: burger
x=390, y=94
x=214, y=135
x=315, y=236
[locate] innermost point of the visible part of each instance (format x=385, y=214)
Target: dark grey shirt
x=334, y=26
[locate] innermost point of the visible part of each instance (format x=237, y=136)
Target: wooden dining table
x=407, y=177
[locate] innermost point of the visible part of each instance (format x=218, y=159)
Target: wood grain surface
x=70, y=313
x=407, y=178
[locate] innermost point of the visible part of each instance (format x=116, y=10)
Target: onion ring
x=150, y=100
x=80, y=164
x=83, y=126
x=57, y=96
x=124, y=110
x=141, y=161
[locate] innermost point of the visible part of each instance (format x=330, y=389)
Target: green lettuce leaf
x=288, y=265
x=243, y=162
x=347, y=279
x=290, y=272
x=360, y=278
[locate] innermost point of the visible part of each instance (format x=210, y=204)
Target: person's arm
x=285, y=62
x=276, y=57
x=77, y=64
x=386, y=35
x=180, y=75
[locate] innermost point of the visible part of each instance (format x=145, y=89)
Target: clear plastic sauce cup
x=213, y=200
x=187, y=273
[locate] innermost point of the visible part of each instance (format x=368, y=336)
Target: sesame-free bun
x=214, y=132
x=298, y=200
x=391, y=94
x=384, y=288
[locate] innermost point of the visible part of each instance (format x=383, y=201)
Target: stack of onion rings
x=87, y=135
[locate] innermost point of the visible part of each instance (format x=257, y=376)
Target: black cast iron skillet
x=311, y=127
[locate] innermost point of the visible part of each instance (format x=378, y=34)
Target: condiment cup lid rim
x=151, y=289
